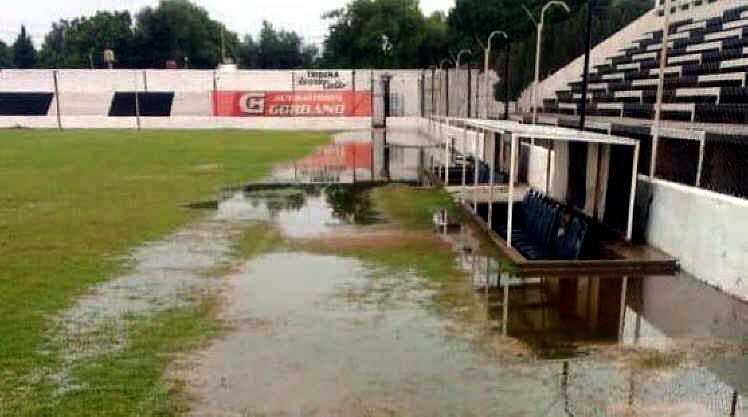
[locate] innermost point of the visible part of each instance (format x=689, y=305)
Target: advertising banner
x=322, y=80
x=292, y=103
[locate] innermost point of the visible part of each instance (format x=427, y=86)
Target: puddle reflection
x=573, y=319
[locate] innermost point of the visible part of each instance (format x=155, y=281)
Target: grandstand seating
x=455, y=173
x=542, y=230
x=705, y=77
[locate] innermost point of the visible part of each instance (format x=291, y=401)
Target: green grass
x=75, y=202
x=412, y=208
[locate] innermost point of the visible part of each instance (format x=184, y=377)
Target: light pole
x=486, y=55
x=457, y=70
x=537, y=51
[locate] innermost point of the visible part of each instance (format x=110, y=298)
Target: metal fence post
x=353, y=89
x=423, y=93
x=292, y=113
x=57, y=99
x=699, y=167
x=469, y=89
x=446, y=91
x=433, y=96
x=137, y=102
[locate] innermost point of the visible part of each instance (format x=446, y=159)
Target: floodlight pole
x=486, y=57
x=586, y=74
x=538, y=47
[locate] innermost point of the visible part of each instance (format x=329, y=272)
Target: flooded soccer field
x=319, y=329
x=338, y=295
x=334, y=321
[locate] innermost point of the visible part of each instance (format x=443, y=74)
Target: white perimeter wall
x=190, y=122
x=706, y=231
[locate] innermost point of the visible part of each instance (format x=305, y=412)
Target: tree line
x=363, y=34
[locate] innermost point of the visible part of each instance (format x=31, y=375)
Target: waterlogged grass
x=75, y=202
x=255, y=239
x=258, y=238
x=411, y=246
x=130, y=381
x=413, y=208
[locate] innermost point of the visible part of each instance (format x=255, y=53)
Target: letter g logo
x=252, y=104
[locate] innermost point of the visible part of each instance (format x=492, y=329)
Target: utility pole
x=586, y=76
x=506, y=81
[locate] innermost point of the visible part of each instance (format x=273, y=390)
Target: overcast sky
x=241, y=16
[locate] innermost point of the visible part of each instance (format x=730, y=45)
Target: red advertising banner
x=292, y=103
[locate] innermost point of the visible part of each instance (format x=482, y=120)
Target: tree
x=24, y=54
x=81, y=42
x=176, y=29
x=6, y=56
x=249, y=53
x=378, y=34
x=434, y=46
x=276, y=49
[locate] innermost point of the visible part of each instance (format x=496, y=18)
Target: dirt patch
x=370, y=238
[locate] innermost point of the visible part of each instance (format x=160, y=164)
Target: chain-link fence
x=462, y=93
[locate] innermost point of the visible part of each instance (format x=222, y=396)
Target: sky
x=241, y=16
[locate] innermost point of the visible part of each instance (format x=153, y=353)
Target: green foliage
x=79, y=43
x=177, y=29
x=382, y=34
x=363, y=34
x=6, y=56
x=24, y=54
x=276, y=49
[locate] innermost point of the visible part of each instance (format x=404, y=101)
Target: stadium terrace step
x=705, y=76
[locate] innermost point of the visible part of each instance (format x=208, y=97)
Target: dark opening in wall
x=25, y=104
x=725, y=164
x=151, y=104
x=677, y=160
x=619, y=188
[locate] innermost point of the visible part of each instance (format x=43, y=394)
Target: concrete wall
x=194, y=122
x=90, y=92
x=706, y=231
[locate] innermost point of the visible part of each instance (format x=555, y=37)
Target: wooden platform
x=632, y=260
